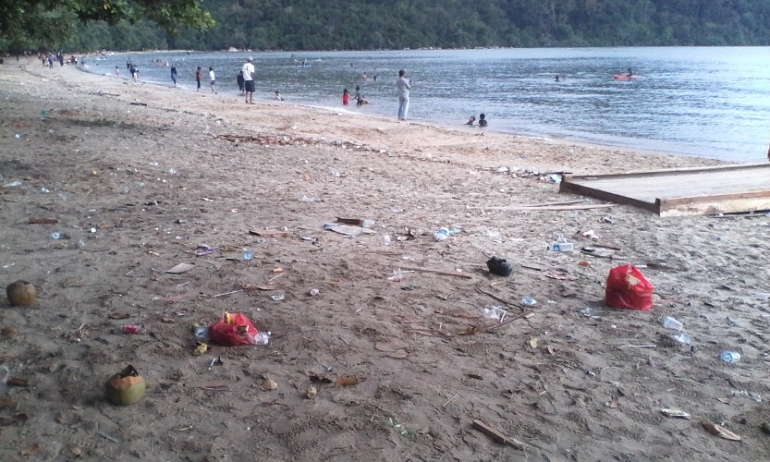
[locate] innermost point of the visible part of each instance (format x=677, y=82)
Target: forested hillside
x=397, y=24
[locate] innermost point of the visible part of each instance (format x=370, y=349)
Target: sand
x=138, y=176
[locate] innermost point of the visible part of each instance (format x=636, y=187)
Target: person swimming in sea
x=471, y=120
x=482, y=120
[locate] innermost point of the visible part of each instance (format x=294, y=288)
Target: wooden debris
x=720, y=431
x=43, y=221
x=497, y=436
x=443, y=273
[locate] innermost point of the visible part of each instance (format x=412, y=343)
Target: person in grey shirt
x=404, y=85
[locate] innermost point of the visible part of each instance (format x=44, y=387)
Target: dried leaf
x=75, y=452
x=32, y=449
x=720, y=431
x=470, y=330
x=167, y=320
x=346, y=380
x=676, y=413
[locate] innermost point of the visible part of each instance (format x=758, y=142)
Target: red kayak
x=623, y=76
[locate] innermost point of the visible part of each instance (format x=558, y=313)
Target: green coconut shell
x=21, y=293
x=125, y=387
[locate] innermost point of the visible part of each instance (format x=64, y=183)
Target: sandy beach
x=140, y=178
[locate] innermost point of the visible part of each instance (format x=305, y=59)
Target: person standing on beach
x=173, y=74
x=403, y=85
x=198, y=78
x=117, y=71
x=248, y=80
x=213, y=79
x=345, y=97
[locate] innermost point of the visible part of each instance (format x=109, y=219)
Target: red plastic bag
x=232, y=330
x=628, y=288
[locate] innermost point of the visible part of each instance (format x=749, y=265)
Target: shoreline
x=535, y=137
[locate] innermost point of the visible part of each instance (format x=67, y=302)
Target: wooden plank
x=668, y=172
x=712, y=208
x=583, y=190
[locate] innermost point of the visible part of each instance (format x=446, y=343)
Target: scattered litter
x=496, y=435
x=314, y=292
x=346, y=380
x=675, y=413
x=720, y=431
x=180, y=268
x=248, y=255
x=682, y=338
x=563, y=247
x=311, y=393
x=495, y=312
x=348, y=230
x=590, y=312
x=234, y=329
x=670, y=322
x=590, y=234
x=278, y=297
x=125, y=387
x=528, y=301
x=269, y=384
x=627, y=288
x=356, y=222
x=730, y=356
x=203, y=250
x=499, y=266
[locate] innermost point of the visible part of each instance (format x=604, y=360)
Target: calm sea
x=709, y=102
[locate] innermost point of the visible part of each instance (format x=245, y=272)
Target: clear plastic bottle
x=563, y=247
x=671, y=323
x=682, y=337
x=730, y=356
x=202, y=334
x=262, y=338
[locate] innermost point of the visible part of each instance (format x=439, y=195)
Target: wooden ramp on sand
x=680, y=192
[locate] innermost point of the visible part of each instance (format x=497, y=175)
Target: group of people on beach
x=482, y=120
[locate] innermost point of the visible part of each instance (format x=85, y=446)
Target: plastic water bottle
x=441, y=235
x=671, y=323
x=730, y=356
x=563, y=247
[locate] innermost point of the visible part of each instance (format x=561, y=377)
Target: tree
x=26, y=24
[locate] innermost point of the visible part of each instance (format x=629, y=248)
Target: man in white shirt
x=248, y=80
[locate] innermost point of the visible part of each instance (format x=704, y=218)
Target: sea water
x=702, y=101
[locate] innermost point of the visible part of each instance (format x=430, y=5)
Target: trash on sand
x=17, y=382
x=278, y=297
x=628, y=288
x=356, y=222
x=443, y=233
x=590, y=312
x=202, y=250
x=590, y=234
x=132, y=329
x=313, y=292
x=311, y=393
x=533, y=342
x=125, y=387
x=499, y=266
x=346, y=380
x=232, y=330
x=528, y=301
x=720, y=431
x=348, y=230
x=248, y=255
x=682, y=337
x=730, y=356
x=563, y=247
x=496, y=435
x=180, y=268
x=675, y=413
x=670, y=322
x=21, y=293
x=495, y=312
x=268, y=383
x=200, y=349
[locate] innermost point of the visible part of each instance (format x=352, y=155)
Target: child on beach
x=278, y=96
x=241, y=82
x=345, y=97
x=482, y=120
x=213, y=79
x=360, y=100
x=198, y=78
x=471, y=120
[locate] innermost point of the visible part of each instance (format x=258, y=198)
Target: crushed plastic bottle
x=528, y=301
x=730, y=356
x=682, y=337
x=670, y=322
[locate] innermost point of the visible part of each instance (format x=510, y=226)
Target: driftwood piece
x=497, y=436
